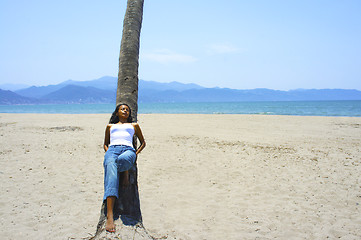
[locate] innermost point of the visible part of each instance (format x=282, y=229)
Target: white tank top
x=122, y=134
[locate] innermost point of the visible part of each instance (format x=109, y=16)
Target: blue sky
x=277, y=44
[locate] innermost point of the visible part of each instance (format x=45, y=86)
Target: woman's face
x=123, y=111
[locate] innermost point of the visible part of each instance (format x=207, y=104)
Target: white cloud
x=222, y=49
x=167, y=56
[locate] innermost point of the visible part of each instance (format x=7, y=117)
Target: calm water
x=298, y=108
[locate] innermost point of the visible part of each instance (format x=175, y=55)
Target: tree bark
x=127, y=90
x=127, y=207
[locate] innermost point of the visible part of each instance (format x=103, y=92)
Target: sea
x=293, y=108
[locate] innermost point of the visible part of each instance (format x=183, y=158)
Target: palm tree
x=127, y=206
x=127, y=90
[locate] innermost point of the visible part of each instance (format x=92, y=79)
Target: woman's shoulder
x=135, y=125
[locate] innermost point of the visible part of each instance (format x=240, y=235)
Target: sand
x=200, y=176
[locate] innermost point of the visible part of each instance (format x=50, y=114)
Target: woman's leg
x=125, y=179
x=110, y=226
x=114, y=163
x=111, y=184
x=111, y=181
x=125, y=160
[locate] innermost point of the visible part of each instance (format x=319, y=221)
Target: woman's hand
x=139, y=134
x=107, y=137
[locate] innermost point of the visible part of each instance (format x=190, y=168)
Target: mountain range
x=103, y=90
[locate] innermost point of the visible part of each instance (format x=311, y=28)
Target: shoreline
x=201, y=176
x=191, y=114
x=294, y=108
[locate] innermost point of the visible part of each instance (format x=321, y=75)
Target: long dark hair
x=115, y=119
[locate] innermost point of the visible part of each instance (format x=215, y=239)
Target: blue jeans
x=117, y=159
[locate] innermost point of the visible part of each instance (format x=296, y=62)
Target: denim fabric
x=117, y=159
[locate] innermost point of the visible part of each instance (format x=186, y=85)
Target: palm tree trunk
x=127, y=90
x=127, y=207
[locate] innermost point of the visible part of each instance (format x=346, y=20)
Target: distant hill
x=38, y=92
x=104, y=83
x=103, y=90
x=233, y=95
x=325, y=94
x=77, y=94
x=174, y=86
x=8, y=98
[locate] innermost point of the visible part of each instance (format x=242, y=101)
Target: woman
x=120, y=155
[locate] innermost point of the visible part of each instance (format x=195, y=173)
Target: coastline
x=200, y=177
x=343, y=108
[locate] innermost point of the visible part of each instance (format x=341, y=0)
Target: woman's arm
x=139, y=134
x=107, y=137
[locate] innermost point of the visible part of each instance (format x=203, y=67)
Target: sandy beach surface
x=200, y=176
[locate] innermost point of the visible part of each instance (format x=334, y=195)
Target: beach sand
x=200, y=176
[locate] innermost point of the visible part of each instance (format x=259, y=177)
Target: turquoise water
x=297, y=108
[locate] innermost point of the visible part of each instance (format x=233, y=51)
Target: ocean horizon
x=346, y=108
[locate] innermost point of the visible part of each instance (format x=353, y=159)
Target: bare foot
x=110, y=226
